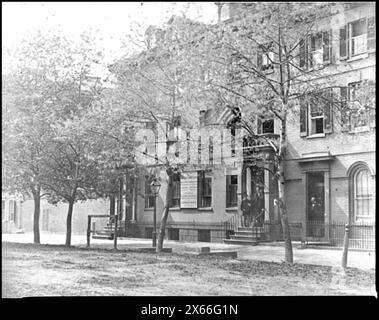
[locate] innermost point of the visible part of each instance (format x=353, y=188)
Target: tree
x=160, y=85
x=25, y=123
x=259, y=62
x=55, y=86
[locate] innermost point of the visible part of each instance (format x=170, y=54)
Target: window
x=266, y=57
x=316, y=113
x=231, y=190
x=173, y=234
x=358, y=118
x=357, y=37
x=204, y=181
x=316, y=118
x=363, y=195
x=175, y=190
x=316, y=50
x=149, y=233
x=204, y=235
x=149, y=196
x=12, y=210
x=265, y=126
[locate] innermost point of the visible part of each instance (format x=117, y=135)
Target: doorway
x=316, y=205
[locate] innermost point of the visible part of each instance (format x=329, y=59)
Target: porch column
x=135, y=200
x=239, y=193
x=327, y=202
x=248, y=182
x=267, y=194
x=304, y=205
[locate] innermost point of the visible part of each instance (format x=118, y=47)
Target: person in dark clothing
x=258, y=206
x=246, y=211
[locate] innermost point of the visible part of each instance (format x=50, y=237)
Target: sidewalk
x=270, y=253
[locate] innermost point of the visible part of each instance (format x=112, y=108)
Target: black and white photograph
x=188, y=149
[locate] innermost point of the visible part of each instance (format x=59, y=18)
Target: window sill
x=231, y=209
x=358, y=57
x=149, y=209
x=205, y=209
x=175, y=209
x=317, y=135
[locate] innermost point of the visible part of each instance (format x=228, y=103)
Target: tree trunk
x=37, y=210
x=166, y=211
x=112, y=203
x=69, y=223
x=284, y=217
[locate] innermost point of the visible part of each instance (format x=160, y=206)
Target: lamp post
x=155, y=186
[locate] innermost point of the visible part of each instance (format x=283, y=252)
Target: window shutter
x=259, y=59
x=343, y=43
x=227, y=190
x=326, y=46
x=372, y=109
x=199, y=188
x=371, y=33
x=344, y=109
x=303, y=117
x=310, y=48
x=328, y=112
x=259, y=125
x=302, y=54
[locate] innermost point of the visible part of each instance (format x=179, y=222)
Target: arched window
x=362, y=194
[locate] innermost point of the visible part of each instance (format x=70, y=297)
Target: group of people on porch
x=252, y=208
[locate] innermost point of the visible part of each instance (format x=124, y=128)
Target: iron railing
x=361, y=235
x=230, y=226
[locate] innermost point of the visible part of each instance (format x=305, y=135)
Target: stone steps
x=246, y=236
x=239, y=241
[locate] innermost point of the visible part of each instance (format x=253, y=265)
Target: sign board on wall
x=188, y=190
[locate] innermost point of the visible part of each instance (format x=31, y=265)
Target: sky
x=113, y=19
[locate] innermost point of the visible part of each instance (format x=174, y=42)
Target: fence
x=273, y=231
x=230, y=226
x=361, y=236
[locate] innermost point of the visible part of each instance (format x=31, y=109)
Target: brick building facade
x=329, y=166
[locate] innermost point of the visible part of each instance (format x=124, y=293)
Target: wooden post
x=115, y=232
x=345, y=246
x=88, y=231
x=155, y=222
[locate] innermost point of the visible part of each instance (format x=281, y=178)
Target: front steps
x=107, y=232
x=246, y=236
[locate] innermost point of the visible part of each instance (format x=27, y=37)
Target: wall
x=58, y=214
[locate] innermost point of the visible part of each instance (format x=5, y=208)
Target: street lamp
x=155, y=186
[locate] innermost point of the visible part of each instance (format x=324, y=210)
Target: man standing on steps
x=246, y=211
x=257, y=207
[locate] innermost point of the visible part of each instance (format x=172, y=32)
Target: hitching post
x=345, y=246
x=115, y=232
x=88, y=231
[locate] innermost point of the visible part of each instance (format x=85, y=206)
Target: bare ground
x=52, y=270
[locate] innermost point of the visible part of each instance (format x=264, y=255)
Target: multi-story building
x=329, y=165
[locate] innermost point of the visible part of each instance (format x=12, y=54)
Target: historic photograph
x=188, y=149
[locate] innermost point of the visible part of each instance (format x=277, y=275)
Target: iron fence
x=229, y=226
x=361, y=235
